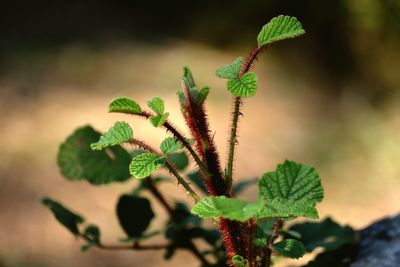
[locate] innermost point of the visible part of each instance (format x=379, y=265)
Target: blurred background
x=330, y=99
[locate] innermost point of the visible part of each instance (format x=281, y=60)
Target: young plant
x=249, y=233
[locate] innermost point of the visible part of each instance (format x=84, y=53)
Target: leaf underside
x=145, y=164
x=120, y=133
x=245, y=86
x=230, y=71
x=169, y=145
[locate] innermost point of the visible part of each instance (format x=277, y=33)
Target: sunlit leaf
x=124, y=105
x=120, y=133
x=279, y=28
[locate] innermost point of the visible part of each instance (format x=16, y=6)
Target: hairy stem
x=268, y=249
x=232, y=142
x=250, y=257
x=170, y=166
x=180, y=137
x=251, y=58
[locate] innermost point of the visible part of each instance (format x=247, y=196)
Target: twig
x=170, y=166
x=180, y=137
x=235, y=119
x=268, y=249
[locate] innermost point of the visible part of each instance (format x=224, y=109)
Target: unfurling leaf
x=78, y=161
x=169, y=145
x=230, y=71
x=145, y=164
x=159, y=120
x=134, y=215
x=124, y=105
x=245, y=86
x=120, y=133
x=279, y=28
x=290, y=248
x=157, y=105
x=64, y=216
x=229, y=208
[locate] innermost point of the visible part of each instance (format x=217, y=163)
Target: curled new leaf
x=124, y=105
x=64, y=216
x=230, y=71
x=169, y=145
x=157, y=105
x=290, y=248
x=229, y=208
x=145, y=164
x=134, y=215
x=279, y=28
x=120, y=133
x=245, y=86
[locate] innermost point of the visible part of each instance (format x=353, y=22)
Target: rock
x=379, y=244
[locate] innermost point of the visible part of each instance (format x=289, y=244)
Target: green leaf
x=64, y=216
x=291, y=181
x=77, y=161
x=245, y=86
x=188, y=78
x=92, y=234
x=179, y=159
x=169, y=145
x=145, y=164
x=230, y=71
x=327, y=234
x=202, y=94
x=92, y=237
x=230, y=208
x=239, y=261
x=287, y=209
x=157, y=121
x=120, y=133
x=157, y=105
x=197, y=179
x=279, y=28
x=134, y=215
x=290, y=248
x=124, y=105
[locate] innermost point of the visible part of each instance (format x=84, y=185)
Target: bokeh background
x=330, y=98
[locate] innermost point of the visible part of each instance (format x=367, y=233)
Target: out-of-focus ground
x=330, y=99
